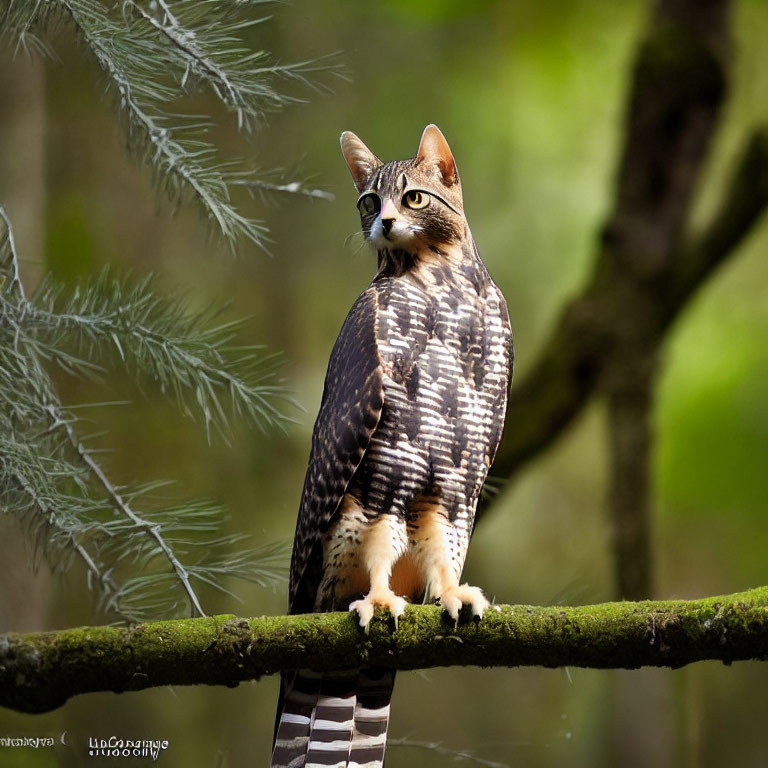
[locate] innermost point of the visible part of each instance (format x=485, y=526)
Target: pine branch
x=203, y=45
x=19, y=19
x=202, y=62
x=40, y=671
x=119, y=503
x=9, y=262
x=147, y=562
x=156, y=54
x=192, y=360
x=292, y=187
x=180, y=164
x=30, y=490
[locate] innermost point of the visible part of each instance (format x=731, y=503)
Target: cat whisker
x=348, y=238
x=361, y=246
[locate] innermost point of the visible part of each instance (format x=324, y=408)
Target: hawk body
x=411, y=417
x=442, y=339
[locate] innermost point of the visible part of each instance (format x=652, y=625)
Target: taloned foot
x=384, y=599
x=453, y=598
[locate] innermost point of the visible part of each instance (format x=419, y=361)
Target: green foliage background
x=530, y=95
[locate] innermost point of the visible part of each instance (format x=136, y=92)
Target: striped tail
x=333, y=719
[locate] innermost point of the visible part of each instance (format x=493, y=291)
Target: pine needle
x=144, y=559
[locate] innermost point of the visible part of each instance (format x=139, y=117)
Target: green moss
x=39, y=672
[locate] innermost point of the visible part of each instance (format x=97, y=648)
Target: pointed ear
x=434, y=150
x=360, y=159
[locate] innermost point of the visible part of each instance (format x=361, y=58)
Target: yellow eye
x=415, y=199
x=369, y=204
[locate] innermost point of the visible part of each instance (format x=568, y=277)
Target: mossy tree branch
x=39, y=672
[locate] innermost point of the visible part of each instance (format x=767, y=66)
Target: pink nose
x=388, y=210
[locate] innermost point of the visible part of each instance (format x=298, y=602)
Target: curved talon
x=364, y=611
x=454, y=597
x=365, y=608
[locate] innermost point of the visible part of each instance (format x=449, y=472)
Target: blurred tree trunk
x=679, y=86
x=608, y=339
x=22, y=193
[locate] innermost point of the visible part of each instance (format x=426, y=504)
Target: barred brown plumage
x=411, y=417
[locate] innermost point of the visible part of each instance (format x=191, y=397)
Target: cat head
x=408, y=204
